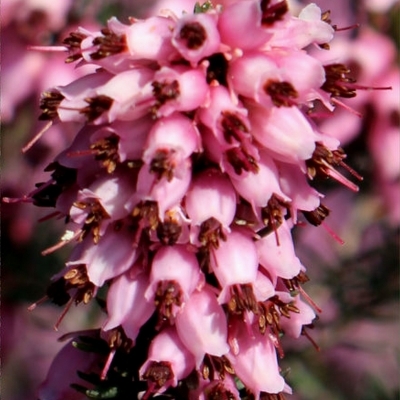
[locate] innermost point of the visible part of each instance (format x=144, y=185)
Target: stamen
x=107, y=365
x=37, y=137
x=108, y=45
x=346, y=107
x=64, y=241
x=309, y=300
x=168, y=296
x=281, y=93
x=331, y=172
x=321, y=164
x=332, y=233
x=307, y=335
x=157, y=375
x=241, y=160
x=63, y=314
x=163, y=164
x=55, y=49
x=233, y=128
x=38, y=302
x=346, y=28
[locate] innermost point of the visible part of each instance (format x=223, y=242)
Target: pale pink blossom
x=166, y=353
x=183, y=186
x=126, y=304
x=255, y=362
x=202, y=325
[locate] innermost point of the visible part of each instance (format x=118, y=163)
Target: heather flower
x=126, y=305
x=182, y=188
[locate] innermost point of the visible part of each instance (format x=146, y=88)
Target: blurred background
x=355, y=284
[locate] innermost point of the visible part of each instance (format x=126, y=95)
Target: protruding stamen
x=64, y=241
x=108, y=363
x=37, y=137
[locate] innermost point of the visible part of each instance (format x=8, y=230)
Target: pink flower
x=173, y=277
x=279, y=259
x=196, y=36
x=184, y=183
x=255, y=362
x=240, y=26
x=202, y=325
x=168, y=361
x=115, y=248
x=235, y=262
x=126, y=305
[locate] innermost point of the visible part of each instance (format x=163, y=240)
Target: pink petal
x=202, y=325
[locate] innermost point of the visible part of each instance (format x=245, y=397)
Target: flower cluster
x=181, y=189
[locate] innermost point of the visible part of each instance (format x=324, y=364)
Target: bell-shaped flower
x=112, y=256
x=126, y=304
x=227, y=120
x=305, y=73
x=240, y=25
x=179, y=269
x=295, y=185
x=111, y=192
x=235, y=261
x=196, y=36
x=131, y=137
x=179, y=88
x=211, y=195
x=299, y=32
x=167, y=194
x=284, y=132
x=75, y=93
x=255, y=362
x=125, y=103
x=170, y=142
x=280, y=259
x=168, y=361
x=150, y=39
x=257, y=188
x=293, y=326
x=202, y=325
x=249, y=74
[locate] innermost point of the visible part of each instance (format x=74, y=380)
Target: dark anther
x=282, y=93
x=233, y=127
x=73, y=42
x=164, y=91
x=109, y=44
x=273, y=13
x=49, y=103
x=241, y=161
x=316, y=216
x=159, y=373
x=194, y=34
x=96, y=106
x=106, y=151
x=338, y=82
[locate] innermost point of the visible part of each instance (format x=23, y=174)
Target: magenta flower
x=183, y=186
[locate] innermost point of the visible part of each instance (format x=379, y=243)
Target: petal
x=202, y=325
